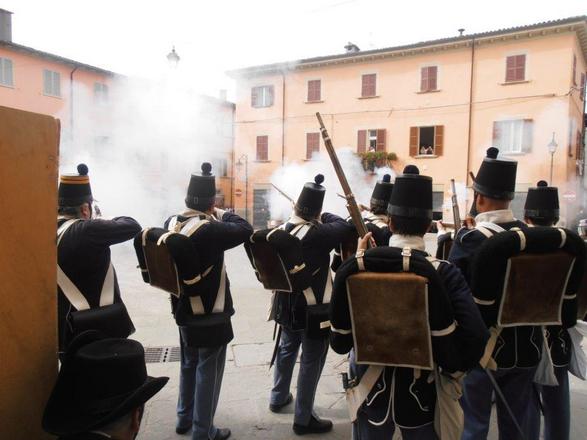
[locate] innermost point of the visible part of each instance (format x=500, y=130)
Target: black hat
x=412, y=195
x=496, y=178
x=74, y=189
x=101, y=380
x=381, y=193
x=542, y=202
x=312, y=197
x=202, y=189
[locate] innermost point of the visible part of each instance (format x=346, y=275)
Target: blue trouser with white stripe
x=311, y=364
x=200, y=380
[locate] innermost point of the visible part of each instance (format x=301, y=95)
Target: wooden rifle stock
x=351, y=203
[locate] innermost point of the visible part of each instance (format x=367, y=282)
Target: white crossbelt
x=70, y=290
x=355, y=396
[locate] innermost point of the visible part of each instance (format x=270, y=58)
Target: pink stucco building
x=437, y=104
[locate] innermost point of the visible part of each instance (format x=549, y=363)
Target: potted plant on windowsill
x=377, y=159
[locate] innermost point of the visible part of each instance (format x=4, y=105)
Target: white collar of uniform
x=369, y=215
x=498, y=216
x=411, y=241
x=296, y=220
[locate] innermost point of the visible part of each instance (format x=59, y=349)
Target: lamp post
x=173, y=58
x=244, y=159
x=552, y=146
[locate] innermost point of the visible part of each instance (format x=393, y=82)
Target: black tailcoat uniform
x=317, y=243
x=399, y=395
x=84, y=255
x=516, y=346
x=211, y=240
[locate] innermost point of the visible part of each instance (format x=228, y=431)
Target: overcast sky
x=133, y=37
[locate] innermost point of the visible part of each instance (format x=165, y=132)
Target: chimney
x=5, y=25
x=461, y=30
x=352, y=48
x=222, y=94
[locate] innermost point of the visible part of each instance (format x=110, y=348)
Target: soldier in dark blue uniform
x=204, y=322
x=319, y=235
x=83, y=256
x=542, y=209
x=518, y=349
x=376, y=220
x=401, y=396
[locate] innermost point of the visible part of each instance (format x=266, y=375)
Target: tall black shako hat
x=74, y=189
x=101, y=379
x=381, y=194
x=542, y=202
x=412, y=195
x=496, y=178
x=202, y=189
x=311, y=198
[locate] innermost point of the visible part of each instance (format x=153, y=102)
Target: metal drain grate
x=158, y=355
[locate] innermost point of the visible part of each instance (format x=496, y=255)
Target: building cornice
x=568, y=25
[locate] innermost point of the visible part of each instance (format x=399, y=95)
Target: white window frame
x=420, y=127
x=437, y=65
x=55, y=79
x=371, y=137
x=526, y=66
x=369, y=72
x=6, y=65
x=265, y=88
x=321, y=89
x=514, y=143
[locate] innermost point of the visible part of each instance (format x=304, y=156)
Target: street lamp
x=244, y=159
x=552, y=146
x=173, y=58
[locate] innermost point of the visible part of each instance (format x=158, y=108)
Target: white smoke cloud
x=292, y=177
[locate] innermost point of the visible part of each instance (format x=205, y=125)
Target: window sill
x=425, y=156
x=511, y=83
x=368, y=97
x=313, y=102
x=52, y=96
x=261, y=161
x=262, y=106
x=8, y=86
x=422, y=92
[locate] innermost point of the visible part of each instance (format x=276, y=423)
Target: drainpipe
x=470, y=111
x=232, y=157
x=283, y=120
x=71, y=103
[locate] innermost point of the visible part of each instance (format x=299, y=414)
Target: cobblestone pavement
x=243, y=405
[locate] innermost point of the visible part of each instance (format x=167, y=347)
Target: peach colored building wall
x=545, y=97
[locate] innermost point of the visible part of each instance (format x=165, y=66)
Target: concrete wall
x=28, y=310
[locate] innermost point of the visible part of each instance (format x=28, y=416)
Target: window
x=579, y=146
x=515, y=69
x=513, y=136
x=312, y=144
x=574, y=69
x=221, y=167
x=51, y=83
x=517, y=204
x=262, y=96
x=369, y=85
x=262, y=148
x=314, y=90
x=437, y=201
x=6, y=75
x=428, y=79
x=100, y=93
x=582, y=91
x=427, y=141
x=371, y=140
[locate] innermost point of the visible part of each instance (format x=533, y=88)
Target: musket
x=284, y=194
x=351, y=203
x=455, y=206
x=361, y=206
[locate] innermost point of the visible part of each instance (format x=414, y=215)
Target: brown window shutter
x=582, y=91
x=312, y=144
x=314, y=90
x=510, y=69
x=432, y=77
x=438, y=140
x=381, y=140
x=362, y=141
x=521, y=68
x=369, y=85
x=527, y=136
x=262, y=148
x=574, y=69
x=254, y=97
x=578, y=147
x=414, y=141
x=424, y=79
